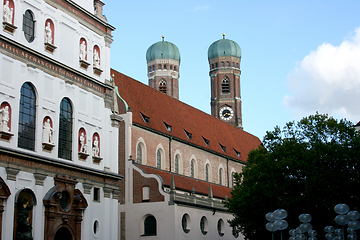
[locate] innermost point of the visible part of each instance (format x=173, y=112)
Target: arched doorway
x=63, y=234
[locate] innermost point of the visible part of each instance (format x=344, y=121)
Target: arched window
x=158, y=159
x=221, y=173
x=177, y=164
x=65, y=129
x=222, y=64
x=227, y=64
x=139, y=154
x=207, y=172
x=29, y=26
x=150, y=226
x=162, y=86
x=27, y=117
x=24, y=202
x=232, y=179
x=225, y=86
x=192, y=168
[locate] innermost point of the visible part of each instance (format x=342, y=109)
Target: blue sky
x=298, y=57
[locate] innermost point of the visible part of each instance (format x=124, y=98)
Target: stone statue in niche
x=8, y=13
x=48, y=131
x=82, y=143
x=4, y=117
x=48, y=33
x=96, y=149
x=96, y=59
x=83, y=53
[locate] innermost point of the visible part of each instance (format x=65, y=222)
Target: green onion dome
x=163, y=50
x=224, y=48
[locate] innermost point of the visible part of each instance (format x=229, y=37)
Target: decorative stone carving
x=8, y=17
x=82, y=144
x=49, y=36
x=39, y=178
x=83, y=54
x=11, y=173
x=64, y=207
x=87, y=185
x=47, y=135
x=4, y=194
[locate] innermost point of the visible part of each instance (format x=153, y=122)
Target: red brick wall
x=139, y=182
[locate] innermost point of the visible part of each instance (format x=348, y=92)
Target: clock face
x=226, y=113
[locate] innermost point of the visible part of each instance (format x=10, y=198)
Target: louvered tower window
x=162, y=86
x=225, y=86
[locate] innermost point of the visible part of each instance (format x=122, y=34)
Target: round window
x=65, y=201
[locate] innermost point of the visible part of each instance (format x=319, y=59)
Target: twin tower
x=224, y=55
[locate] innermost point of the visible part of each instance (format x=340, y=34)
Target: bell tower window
x=162, y=86
x=225, y=86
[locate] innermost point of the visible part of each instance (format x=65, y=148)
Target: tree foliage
x=306, y=167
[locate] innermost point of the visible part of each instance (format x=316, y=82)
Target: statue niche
x=96, y=148
x=82, y=149
x=83, y=54
x=5, y=121
x=49, y=36
x=97, y=60
x=47, y=134
x=8, y=16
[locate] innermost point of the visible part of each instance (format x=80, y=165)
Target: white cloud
x=204, y=7
x=328, y=81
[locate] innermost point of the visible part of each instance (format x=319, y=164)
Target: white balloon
x=271, y=227
x=341, y=208
x=342, y=219
x=353, y=215
x=329, y=229
x=354, y=224
x=305, y=227
x=312, y=233
x=329, y=236
x=270, y=217
x=305, y=217
x=280, y=214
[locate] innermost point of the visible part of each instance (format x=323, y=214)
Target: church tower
x=163, y=62
x=224, y=58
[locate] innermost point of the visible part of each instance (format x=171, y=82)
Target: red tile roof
x=187, y=184
x=161, y=108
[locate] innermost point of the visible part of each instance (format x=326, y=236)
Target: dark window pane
x=29, y=26
x=150, y=226
x=65, y=129
x=27, y=117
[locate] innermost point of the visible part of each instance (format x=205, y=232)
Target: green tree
x=307, y=167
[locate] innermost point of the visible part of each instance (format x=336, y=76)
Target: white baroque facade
x=59, y=179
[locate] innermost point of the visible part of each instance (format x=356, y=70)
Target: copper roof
x=163, y=111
